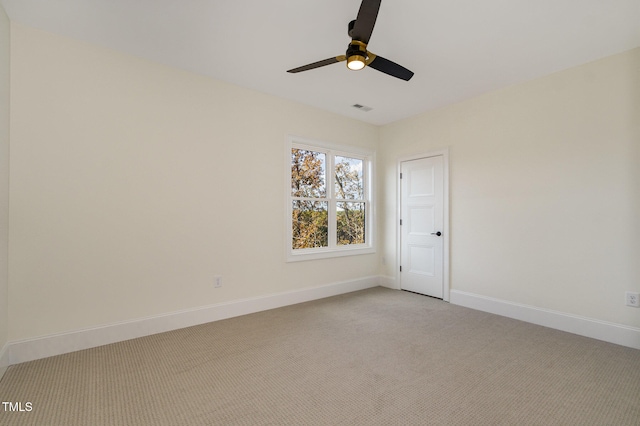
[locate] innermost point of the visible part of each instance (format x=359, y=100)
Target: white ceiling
x=457, y=48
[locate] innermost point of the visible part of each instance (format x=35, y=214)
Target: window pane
x=349, y=182
x=350, y=218
x=310, y=224
x=308, y=173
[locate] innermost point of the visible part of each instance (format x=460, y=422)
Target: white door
x=422, y=222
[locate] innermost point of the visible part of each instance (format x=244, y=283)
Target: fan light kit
x=355, y=62
x=357, y=55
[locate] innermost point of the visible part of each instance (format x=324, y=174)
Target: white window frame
x=333, y=249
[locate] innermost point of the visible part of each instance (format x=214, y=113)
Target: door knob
x=436, y=233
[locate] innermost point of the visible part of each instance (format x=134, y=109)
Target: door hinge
x=400, y=268
x=400, y=175
x=400, y=222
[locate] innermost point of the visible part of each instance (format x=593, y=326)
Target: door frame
x=445, y=231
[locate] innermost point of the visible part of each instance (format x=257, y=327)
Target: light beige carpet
x=374, y=357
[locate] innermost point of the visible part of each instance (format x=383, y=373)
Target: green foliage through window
x=310, y=223
x=313, y=207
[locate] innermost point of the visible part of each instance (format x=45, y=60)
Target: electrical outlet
x=632, y=299
x=217, y=280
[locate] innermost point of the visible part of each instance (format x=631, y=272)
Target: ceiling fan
x=357, y=55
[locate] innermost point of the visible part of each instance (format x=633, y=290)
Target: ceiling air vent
x=362, y=107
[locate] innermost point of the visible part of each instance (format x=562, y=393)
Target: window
x=329, y=201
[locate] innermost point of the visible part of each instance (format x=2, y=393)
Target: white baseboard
x=4, y=359
x=31, y=349
x=388, y=282
x=57, y=344
x=588, y=327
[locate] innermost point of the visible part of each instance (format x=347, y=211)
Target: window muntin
x=329, y=202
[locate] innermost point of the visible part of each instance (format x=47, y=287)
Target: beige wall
x=4, y=179
x=134, y=184
x=545, y=189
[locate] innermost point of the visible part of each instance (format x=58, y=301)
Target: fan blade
x=389, y=67
x=319, y=64
x=365, y=21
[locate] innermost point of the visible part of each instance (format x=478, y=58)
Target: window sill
x=326, y=253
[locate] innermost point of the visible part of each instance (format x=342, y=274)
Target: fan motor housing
x=357, y=48
x=356, y=55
